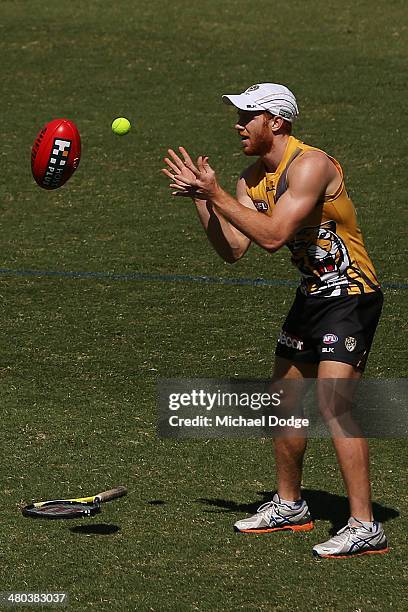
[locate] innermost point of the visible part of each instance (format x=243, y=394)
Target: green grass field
x=81, y=357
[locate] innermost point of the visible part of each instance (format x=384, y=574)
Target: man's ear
x=276, y=123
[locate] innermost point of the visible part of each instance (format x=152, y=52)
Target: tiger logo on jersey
x=322, y=257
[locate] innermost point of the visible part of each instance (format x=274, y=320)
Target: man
x=294, y=195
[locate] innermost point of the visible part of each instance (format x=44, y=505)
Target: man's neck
x=273, y=158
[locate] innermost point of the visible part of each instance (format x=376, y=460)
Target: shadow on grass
x=323, y=506
x=96, y=529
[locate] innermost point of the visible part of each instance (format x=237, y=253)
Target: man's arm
x=308, y=179
x=227, y=240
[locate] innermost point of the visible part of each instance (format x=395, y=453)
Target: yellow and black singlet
x=329, y=250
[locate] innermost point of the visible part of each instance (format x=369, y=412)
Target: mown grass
x=81, y=357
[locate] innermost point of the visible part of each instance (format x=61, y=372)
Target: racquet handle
x=111, y=494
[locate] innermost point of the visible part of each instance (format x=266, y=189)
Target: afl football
x=56, y=153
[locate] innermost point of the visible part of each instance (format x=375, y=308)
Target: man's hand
x=197, y=181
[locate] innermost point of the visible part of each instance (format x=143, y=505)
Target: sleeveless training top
x=329, y=250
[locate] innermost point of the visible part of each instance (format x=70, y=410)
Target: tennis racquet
x=77, y=507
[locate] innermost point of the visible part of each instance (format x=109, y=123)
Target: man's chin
x=248, y=151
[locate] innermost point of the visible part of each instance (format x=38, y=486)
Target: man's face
x=254, y=130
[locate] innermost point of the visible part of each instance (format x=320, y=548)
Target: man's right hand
x=176, y=166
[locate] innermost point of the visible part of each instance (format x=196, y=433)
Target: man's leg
x=362, y=535
x=289, y=451
x=352, y=452
x=286, y=510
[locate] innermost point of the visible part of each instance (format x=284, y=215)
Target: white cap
x=277, y=99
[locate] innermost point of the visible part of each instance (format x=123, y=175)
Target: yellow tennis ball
x=121, y=126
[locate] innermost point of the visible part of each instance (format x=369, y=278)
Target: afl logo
x=261, y=205
x=330, y=339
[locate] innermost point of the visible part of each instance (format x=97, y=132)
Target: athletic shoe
x=276, y=516
x=354, y=539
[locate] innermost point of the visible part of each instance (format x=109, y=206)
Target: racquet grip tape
x=111, y=494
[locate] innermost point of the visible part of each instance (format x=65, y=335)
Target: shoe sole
x=305, y=527
x=382, y=551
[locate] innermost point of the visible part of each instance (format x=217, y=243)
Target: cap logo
x=285, y=113
x=252, y=88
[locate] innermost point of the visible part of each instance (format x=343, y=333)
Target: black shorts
x=330, y=329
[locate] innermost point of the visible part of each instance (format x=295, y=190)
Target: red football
x=56, y=153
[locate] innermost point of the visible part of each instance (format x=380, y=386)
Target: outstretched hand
x=188, y=179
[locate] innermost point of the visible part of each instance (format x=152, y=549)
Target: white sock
x=292, y=504
x=367, y=524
